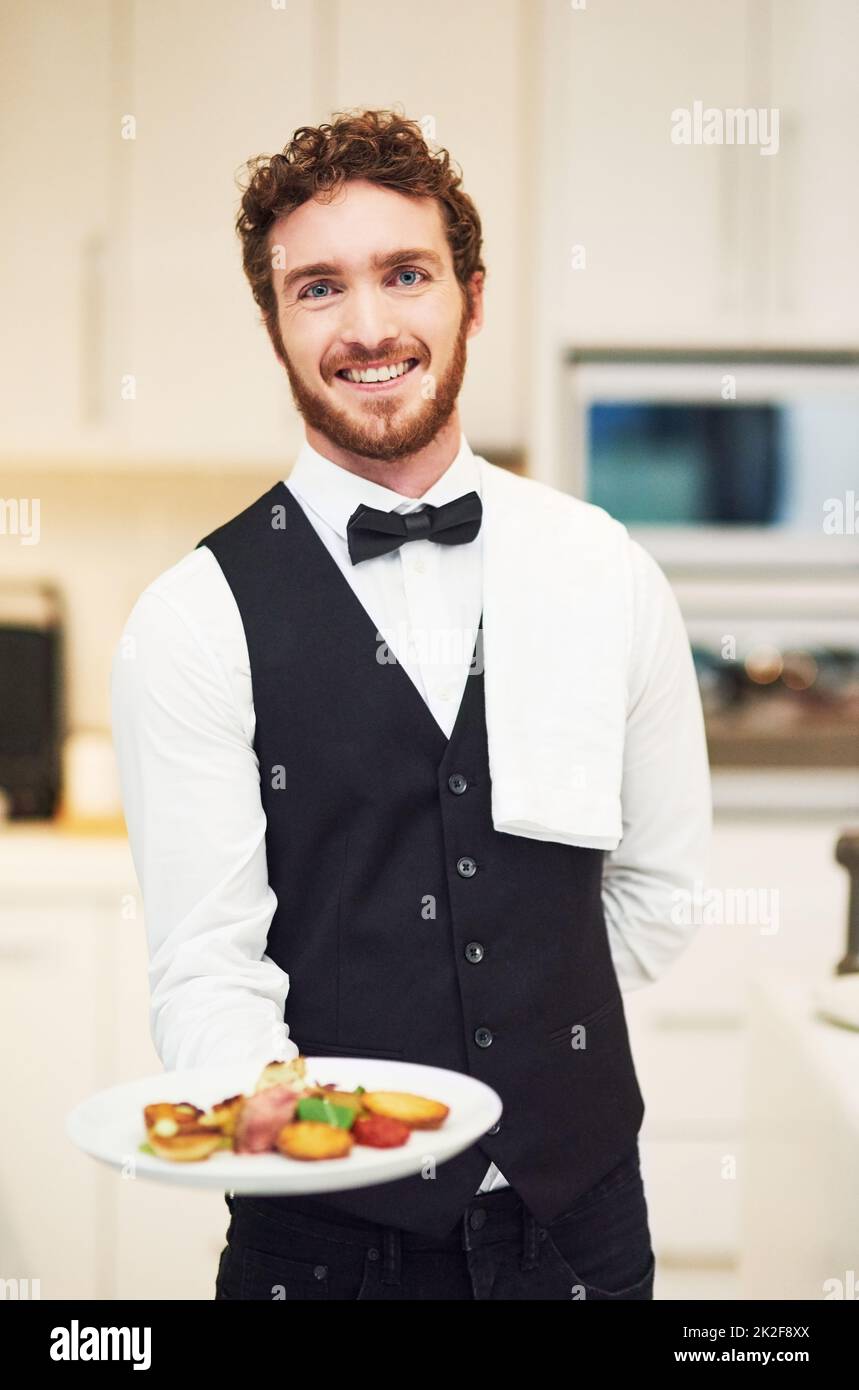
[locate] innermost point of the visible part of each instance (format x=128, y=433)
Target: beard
x=385, y=436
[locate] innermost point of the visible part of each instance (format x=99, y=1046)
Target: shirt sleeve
x=649, y=879
x=189, y=780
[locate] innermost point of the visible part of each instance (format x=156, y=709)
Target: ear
x=475, y=288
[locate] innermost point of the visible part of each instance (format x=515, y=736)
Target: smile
x=378, y=378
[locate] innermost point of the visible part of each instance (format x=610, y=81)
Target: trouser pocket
x=604, y=1243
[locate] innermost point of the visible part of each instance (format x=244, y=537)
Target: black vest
x=409, y=927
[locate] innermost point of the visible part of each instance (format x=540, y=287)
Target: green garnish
x=325, y=1111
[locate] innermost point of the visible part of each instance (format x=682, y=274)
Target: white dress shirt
x=183, y=728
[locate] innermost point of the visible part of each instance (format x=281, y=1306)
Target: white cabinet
x=74, y=1003
x=132, y=336
x=209, y=86
x=811, y=211
x=653, y=242
x=54, y=163
x=800, y=1230
x=690, y=1030
x=54, y=1200
x=166, y=1240
x=648, y=240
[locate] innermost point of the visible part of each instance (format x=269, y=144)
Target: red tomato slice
x=380, y=1132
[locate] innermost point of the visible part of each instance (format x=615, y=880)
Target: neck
x=412, y=475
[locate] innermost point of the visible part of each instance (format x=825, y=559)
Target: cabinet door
x=54, y=1199
x=209, y=86
x=783, y=908
x=54, y=161
x=167, y=1239
x=813, y=194
x=648, y=244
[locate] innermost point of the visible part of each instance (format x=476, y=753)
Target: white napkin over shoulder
x=557, y=628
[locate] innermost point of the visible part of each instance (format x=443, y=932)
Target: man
x=413, y=765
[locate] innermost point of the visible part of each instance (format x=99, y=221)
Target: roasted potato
x=314, y=1139
x=182, y=1112
x=223, y=1116
x=418, y=1112
x=182, y=1144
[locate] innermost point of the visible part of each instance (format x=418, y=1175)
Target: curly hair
x=383, y=147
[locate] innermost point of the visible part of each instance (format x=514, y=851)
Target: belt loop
x=392, y=1255
x=529, y=1239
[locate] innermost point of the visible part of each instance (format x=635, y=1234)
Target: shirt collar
x=334, y=493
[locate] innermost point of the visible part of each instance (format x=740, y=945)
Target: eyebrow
x=382, y=261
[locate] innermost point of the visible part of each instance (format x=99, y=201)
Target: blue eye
x=324, y=286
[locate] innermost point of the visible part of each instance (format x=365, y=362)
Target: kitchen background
x=672, y=330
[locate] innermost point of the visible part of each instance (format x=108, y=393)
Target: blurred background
x=672, y=331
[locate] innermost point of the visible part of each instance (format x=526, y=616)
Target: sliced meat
x=262, y=1117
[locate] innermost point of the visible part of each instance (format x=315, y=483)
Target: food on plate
x=185, y=1115
x=262, y=1117
x=351, y=1099
x=287, y=1114
x=329, y=1112
x=223, y=1116
x=415, y=1111
x=291, y=1073
x=182, y=1143
x=314, y=1139
x=380, y=1132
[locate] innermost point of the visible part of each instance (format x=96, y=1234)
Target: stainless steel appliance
x=31, y=700
x=739, y=472
x=716, y=459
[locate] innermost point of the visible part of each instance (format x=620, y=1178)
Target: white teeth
x=378, y=373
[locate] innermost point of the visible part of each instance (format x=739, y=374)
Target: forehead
x=361, y=219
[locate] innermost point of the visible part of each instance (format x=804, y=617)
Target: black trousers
x=600, y=1249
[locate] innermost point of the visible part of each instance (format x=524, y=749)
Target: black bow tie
x=372, y=532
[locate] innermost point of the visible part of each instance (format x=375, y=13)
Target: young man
x=413, y=765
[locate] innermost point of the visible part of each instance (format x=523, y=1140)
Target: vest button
x=466, y=866
x=457, y=783
x=474, y=952
x=483, y=1037
x=320, y=1271
x=495, y=1128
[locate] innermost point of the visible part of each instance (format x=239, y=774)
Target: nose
x=368, y=321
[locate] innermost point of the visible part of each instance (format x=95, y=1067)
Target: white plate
x=110, y=1126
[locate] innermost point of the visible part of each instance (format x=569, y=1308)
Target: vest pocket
x=562, y=1034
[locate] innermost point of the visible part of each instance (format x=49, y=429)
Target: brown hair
x=383, y=147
